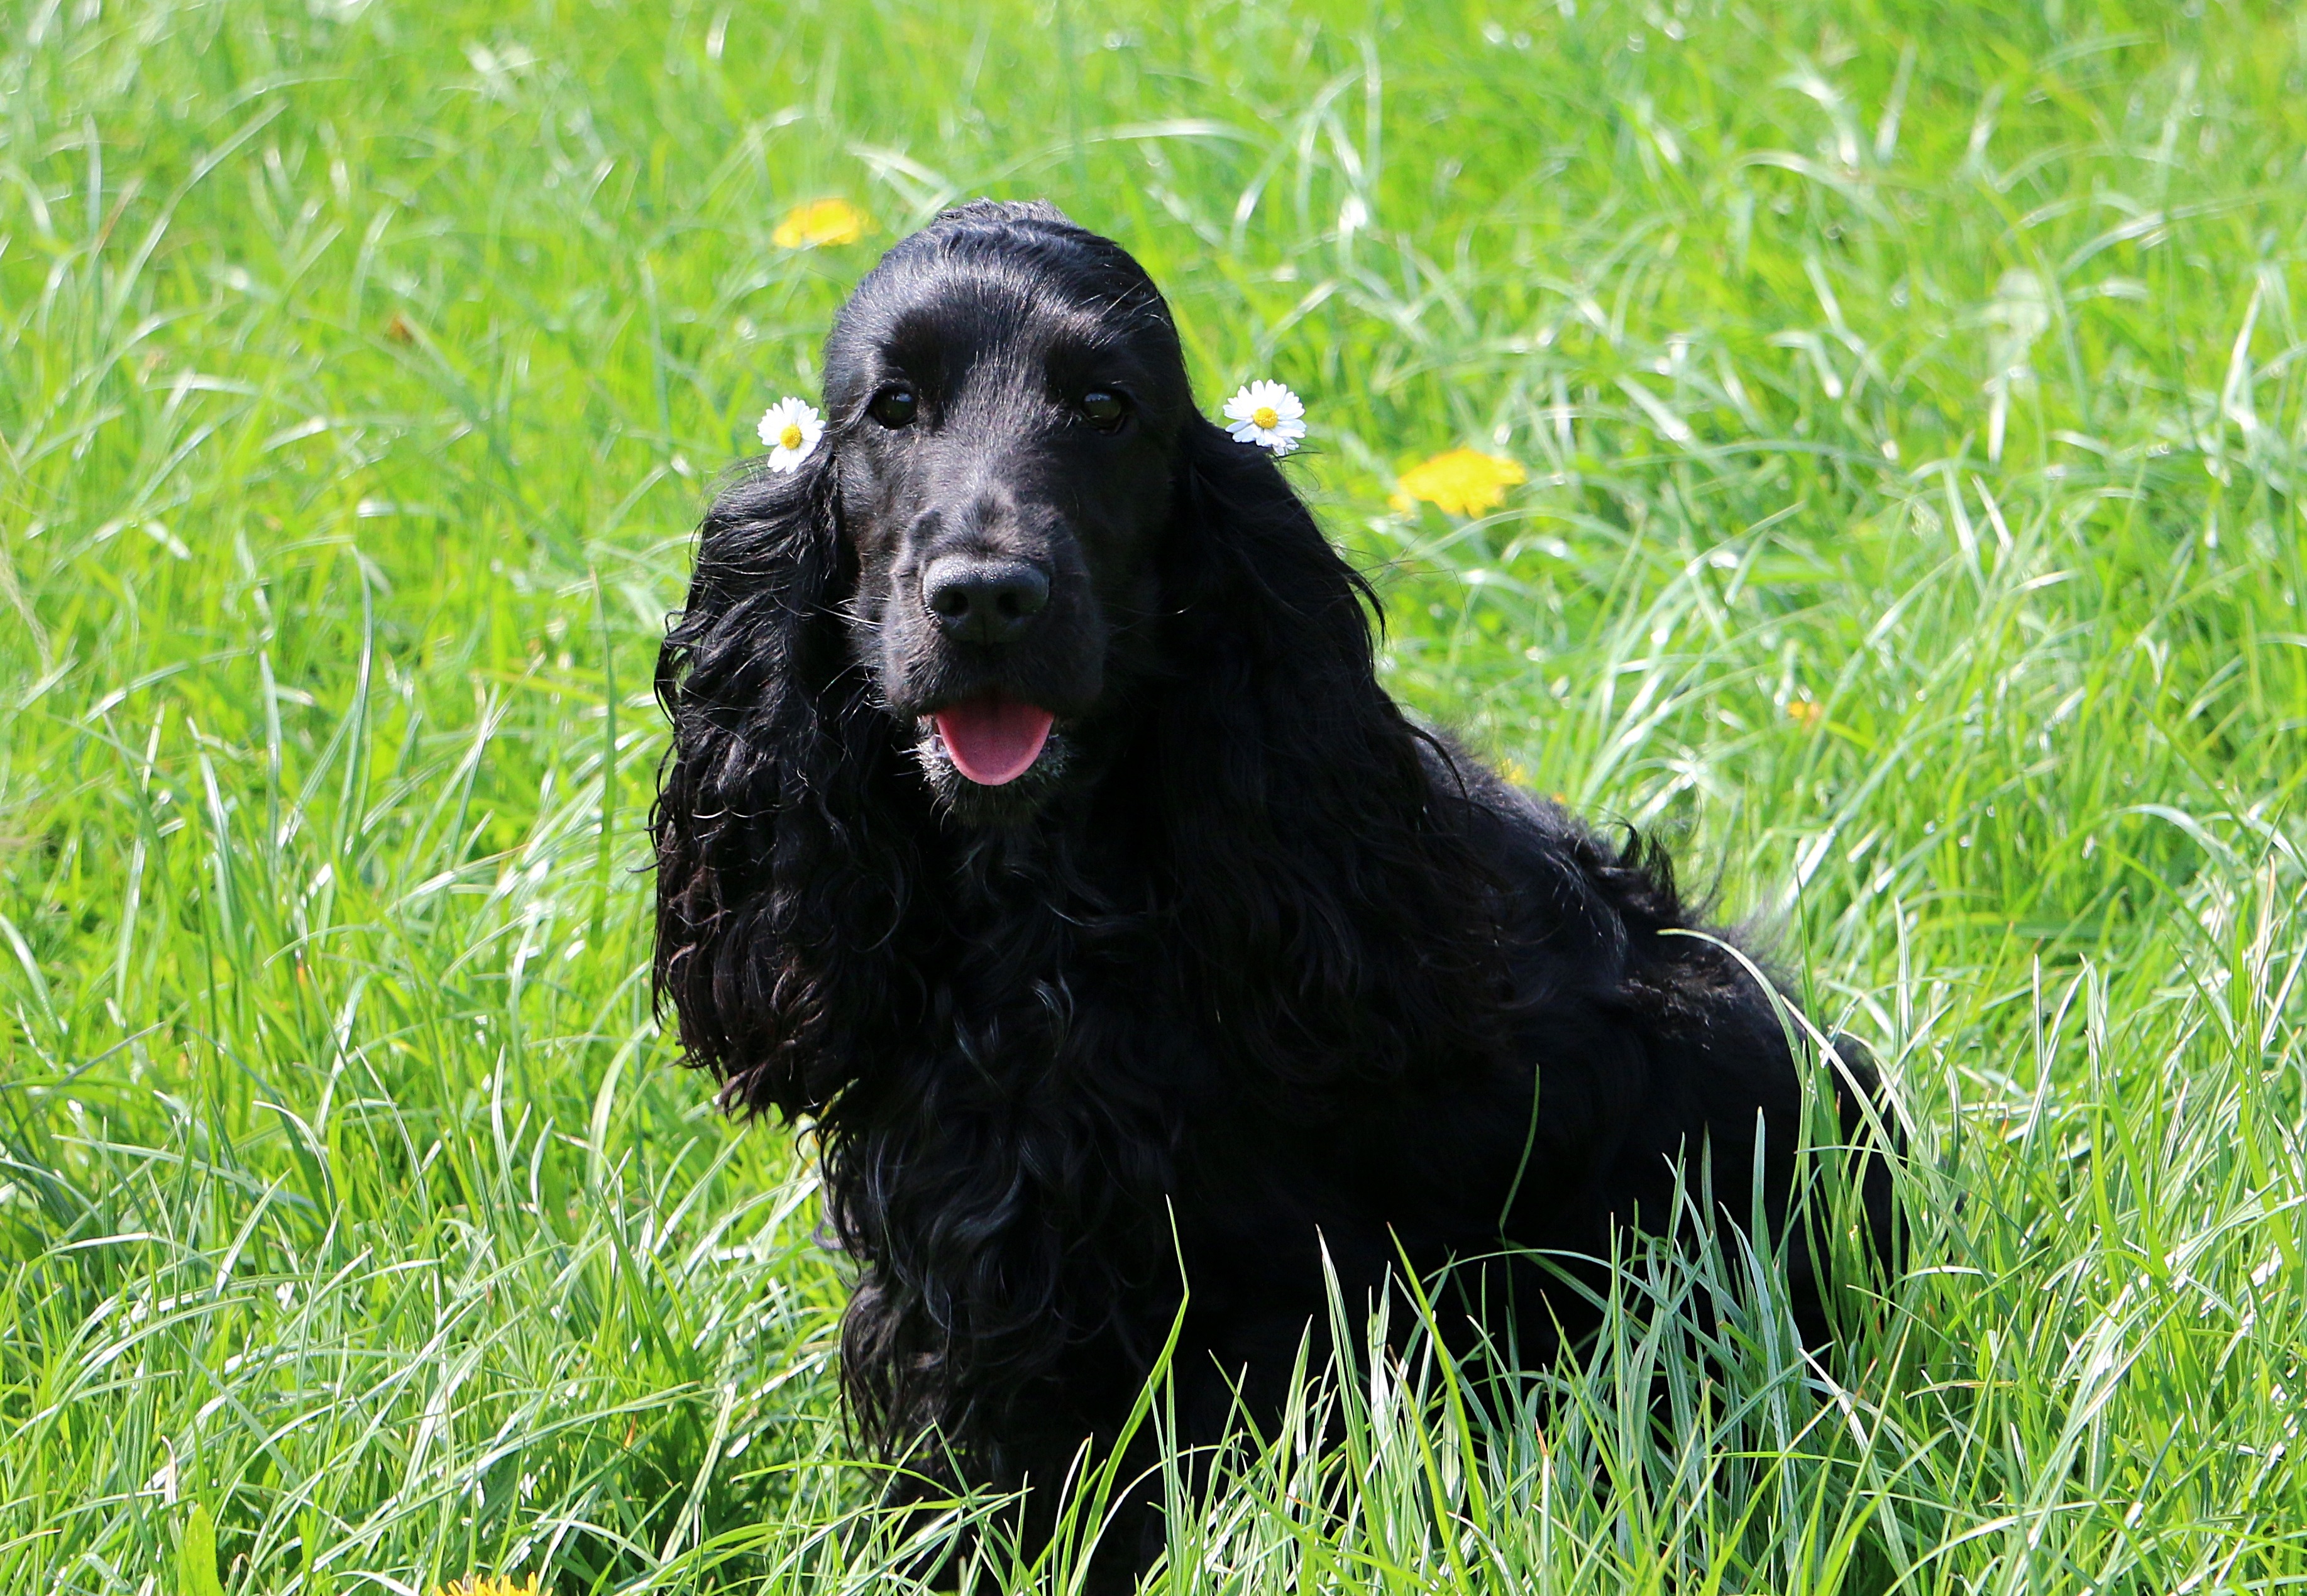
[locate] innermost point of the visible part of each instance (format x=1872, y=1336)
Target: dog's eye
x=893, y=407
x=1102, y=408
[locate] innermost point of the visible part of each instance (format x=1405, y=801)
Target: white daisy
x=1268, y=414
x=791, y=428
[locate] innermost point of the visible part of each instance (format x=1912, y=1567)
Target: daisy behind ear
x=791, y=428
x=1267, y=414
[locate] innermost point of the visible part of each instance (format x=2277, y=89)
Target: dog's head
x=1005, y=398
x=1020, y=568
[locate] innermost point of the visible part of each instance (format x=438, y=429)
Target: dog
x=1036, y=829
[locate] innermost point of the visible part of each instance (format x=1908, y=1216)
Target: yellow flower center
x=1266, y=417
x=790, y=437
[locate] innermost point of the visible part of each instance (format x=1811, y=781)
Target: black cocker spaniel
x=1035, y=826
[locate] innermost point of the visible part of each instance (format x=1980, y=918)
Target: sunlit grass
x=1909, y=401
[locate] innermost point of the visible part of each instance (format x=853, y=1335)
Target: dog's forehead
x=989, y=314
x=988, y=322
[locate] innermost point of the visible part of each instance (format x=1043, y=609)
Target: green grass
x=1915, y=401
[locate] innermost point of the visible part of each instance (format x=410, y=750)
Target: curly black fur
x=1247, y=967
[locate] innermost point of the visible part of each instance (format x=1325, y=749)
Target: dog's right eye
x=893, y=407
x=1102, y=407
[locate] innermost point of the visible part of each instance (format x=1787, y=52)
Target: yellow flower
x=820, y=221
x=1804, y=713
x=483, y=1585
x=1463, y=481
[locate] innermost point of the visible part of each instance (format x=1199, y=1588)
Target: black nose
x=978, y=599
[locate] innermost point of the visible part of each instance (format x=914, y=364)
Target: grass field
x=1914, y=404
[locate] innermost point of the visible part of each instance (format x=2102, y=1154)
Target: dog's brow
x=914, y=345
x=944, y=349
x=1100, y=356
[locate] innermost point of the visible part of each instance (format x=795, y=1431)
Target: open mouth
x=992, y=740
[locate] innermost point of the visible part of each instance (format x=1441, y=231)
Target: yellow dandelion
x=820, y=221
x=1462, y=482
x=1803, y=713
x=481, y=1584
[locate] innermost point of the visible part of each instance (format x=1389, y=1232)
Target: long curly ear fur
x=774, y=862
x=1335, y=904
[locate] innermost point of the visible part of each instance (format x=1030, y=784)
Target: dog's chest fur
x=1074, y=1126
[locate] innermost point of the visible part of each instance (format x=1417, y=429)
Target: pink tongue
x=993, y=741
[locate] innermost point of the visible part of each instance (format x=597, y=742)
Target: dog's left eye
x=894, y=407
x=1102, y=408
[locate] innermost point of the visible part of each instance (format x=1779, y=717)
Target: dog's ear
x=1323, y=878
x=759, y=889
x=1257, y=570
